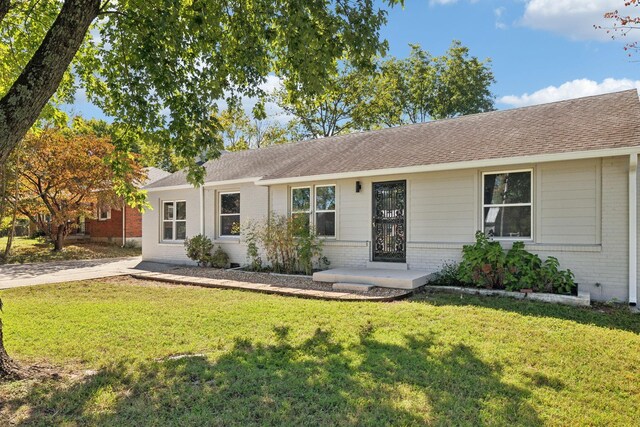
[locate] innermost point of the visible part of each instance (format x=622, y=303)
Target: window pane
x=167, y=234
x=168, y=211
x=181, y=210
x=181, y=230
x=326, y=198
x=510, y=221
x=504, y=188
x=230, y=203
x=326, y=224
x=230, y=225
x=300, y=199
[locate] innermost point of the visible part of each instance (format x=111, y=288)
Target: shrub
x=485, y=264
x=287, y=242
x=220, y=259
x=447, y=276
x=199, y=249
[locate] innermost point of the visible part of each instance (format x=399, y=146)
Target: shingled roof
x=593, y=123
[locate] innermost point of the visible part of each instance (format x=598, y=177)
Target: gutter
x=633, y=229
x=124, y=228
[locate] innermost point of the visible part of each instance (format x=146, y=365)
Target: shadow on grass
x=318, y=381
x=606, y=316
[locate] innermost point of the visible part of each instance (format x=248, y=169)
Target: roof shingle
x=591, y=123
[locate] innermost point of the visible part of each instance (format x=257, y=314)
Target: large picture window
x=174, y=220
x=317, y=205
x=507, y=204
x=229, y=214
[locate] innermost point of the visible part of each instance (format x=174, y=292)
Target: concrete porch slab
x=385, y=278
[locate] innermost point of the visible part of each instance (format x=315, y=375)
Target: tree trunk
x=22, y=104
x=58, y=242
x=5, y=5
x=8, y=368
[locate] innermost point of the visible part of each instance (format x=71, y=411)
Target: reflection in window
x=507, y=205
x=229, y=214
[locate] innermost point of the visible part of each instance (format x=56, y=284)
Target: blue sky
x=541, y=50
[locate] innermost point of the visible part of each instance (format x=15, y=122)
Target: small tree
x=288, y=243
x=63, y=176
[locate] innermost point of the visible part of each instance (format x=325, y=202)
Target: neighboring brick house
x=109, y=226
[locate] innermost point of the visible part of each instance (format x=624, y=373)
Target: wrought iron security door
x=389, y=221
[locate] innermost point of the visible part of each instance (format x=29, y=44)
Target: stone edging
x=264, y=288
x=583, y=299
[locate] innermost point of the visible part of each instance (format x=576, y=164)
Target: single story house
x=120, y=224
x=562, y=177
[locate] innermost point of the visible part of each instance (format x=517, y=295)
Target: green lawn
x=25, y=250
x=270, y=360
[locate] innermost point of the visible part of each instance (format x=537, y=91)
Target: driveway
x=16, y=275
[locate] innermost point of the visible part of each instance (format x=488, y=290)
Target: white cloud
x=573, y=89
x=572, y=18
x=435, y=2
x=499, y=14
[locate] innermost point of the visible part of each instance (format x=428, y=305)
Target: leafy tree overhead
x=64, y=176
x=160, y=66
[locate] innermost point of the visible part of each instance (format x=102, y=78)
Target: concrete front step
x=358, y=287
x=385, y=278
x=388, y=265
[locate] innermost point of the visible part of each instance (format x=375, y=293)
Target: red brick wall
x=113, y=227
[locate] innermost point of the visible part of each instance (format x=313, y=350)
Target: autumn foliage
x=623, y=23
x=64, y=176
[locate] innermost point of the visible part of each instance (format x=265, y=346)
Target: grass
x=27, y=250
x=259, y=359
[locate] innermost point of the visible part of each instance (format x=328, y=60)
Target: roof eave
x=472, y=164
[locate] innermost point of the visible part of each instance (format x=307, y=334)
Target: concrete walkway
x=16, y=275
x=264, y=288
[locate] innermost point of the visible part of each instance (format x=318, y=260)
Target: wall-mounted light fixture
x=358, y=186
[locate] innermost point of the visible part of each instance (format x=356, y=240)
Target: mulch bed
x=289, y=281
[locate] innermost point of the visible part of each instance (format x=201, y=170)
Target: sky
x=541, y=50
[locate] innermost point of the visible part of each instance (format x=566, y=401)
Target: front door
x=389, y=221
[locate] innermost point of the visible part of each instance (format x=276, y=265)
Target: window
x=301, y=203
x=326, y=210
x=229, y=213
x=321, y=213
x=104, y=213
x=507, y=206
x=174, y=220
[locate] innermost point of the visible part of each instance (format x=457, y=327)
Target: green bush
x=447, y=276
x=199, y=249
x=289, y=245
x=485, y=264
x=220, y=259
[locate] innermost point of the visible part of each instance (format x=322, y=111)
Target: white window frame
x=530, y=204
x=220, y=215
x=334, y=210
x=312, y=207
x=102, y=209
x=172, y=221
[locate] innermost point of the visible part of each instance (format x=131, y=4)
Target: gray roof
x=583, y=124
x=154, y=174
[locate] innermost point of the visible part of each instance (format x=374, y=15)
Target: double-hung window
x=104, y=213
x=229, y=214
x=507, y=204
x=174, y=220
x=317, y=205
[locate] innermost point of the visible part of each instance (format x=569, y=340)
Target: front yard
x=27, y=250
x=259, y=359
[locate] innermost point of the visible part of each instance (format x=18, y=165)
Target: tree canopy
x=63, y=175
x=158, y=67
x=409, y=90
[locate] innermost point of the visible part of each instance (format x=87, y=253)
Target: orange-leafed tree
x=64, y=175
